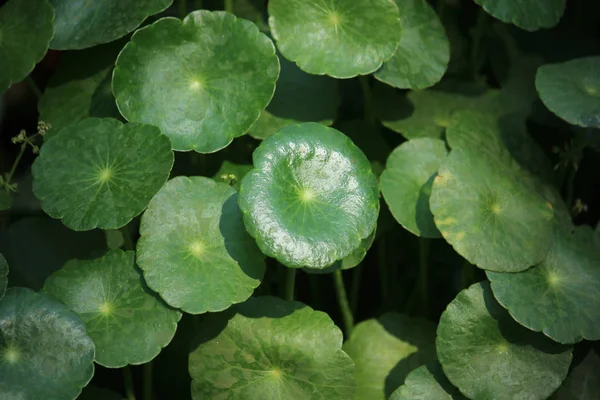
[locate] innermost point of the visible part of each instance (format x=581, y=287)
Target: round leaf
x=128, y=323
x=299, y=97
x=386, y=349
x=583, y=383
x=101, y=173
x=26, y=27
x=492, y=212
x=530, y=15
x=80, y=88
x=559, y=295
x=406, y=183
x=312, y=197
x=424, y=51
x=485, y=353
x=339, y=38
x=194, y=250
x=427, y=382
x=45, y=352
x=3, y=276
x=203, y=81
x=271, y=349
x=571, y=90
x=86, y=23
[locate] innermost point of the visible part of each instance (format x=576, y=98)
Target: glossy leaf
x=100, y=172
x=35, y=247
x=491, y=211
x=299, y=97
x=45, y=352
x=87, y=23
x=386, y=349
x=571, y=90
x=232, y=173
x=339, y=38
x=194, y=250
x=268, y=348
x=424, y=51
x=530, y=15
x=312, y=197
x=127, y=322
x=80, y=88
x=561, y=295
x=26, y=28
x=406, y=183
x=3, y=275
x=583, y=383
x=485, y=353
x=203, y=81
x=427, y=382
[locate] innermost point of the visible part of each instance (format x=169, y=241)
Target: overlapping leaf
x=583, y=383
x=427, y=382
x=530, y=15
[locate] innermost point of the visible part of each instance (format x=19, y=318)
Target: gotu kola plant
x=299, y=199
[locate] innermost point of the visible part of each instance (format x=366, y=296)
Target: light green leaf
x=312, y=197
x=127, y=322
x=406, y=184
x=26, y=27
x=427, y=382
x=80, y=88
x=271, y=349
x=45, y=352
x=194, y=250
x=424, y=51
x=299, y=97
x=530, y=15
x=561, y=295
x=203, y=81
x=87, y=23
x=491, y=211
x=35, y=247
x=232, y=173
x=571, y=90
x=100, y=172
x=386, y=349
x=486, y=354
x=339, y=38
x=583, y=383
x=3, y=275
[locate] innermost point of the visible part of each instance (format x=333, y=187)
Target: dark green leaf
x=583, y=383
x=530, y=15
x=427, y=382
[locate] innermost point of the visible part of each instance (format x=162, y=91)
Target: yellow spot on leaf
x=591, y=90
x=105, y=309
x=197, y=249
x=306, y=195
x=446, y=221
x=460, y=236
x=276, y=372
x=442, y=179
x=495, y=208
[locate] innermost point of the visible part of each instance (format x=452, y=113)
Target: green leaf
x=128, y=323
x=386, y=349
x=530, y=15
x=339, y=38
x=486, y=354
x=424, y=51
x=26, y=27
x=80, y=88
x=87, y=23
x=194, y=250
x=100, y=172
x=45, y=352
x=583, y=383
x=268, y=348
x=491, y=211
x=367, y=137
x=406, y=184
x=427, y=382
x=559, y=295
x=299, y=97
x=3, y=275
x=312, y=197
x=571, y=90
x=35, y=247
x=203, y=81
x=232, y=173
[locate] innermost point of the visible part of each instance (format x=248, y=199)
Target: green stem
x=355, y=289
x=13, y=169
x=290, y=281
x=182, y=8
x=148, y=395
x=33, y=86
x=477, y=38
x=129, y=391
x=127, y=241
x=229, y=6
x=367, y=99
x=383, y=273
x=424, y=272
x=342, y=298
